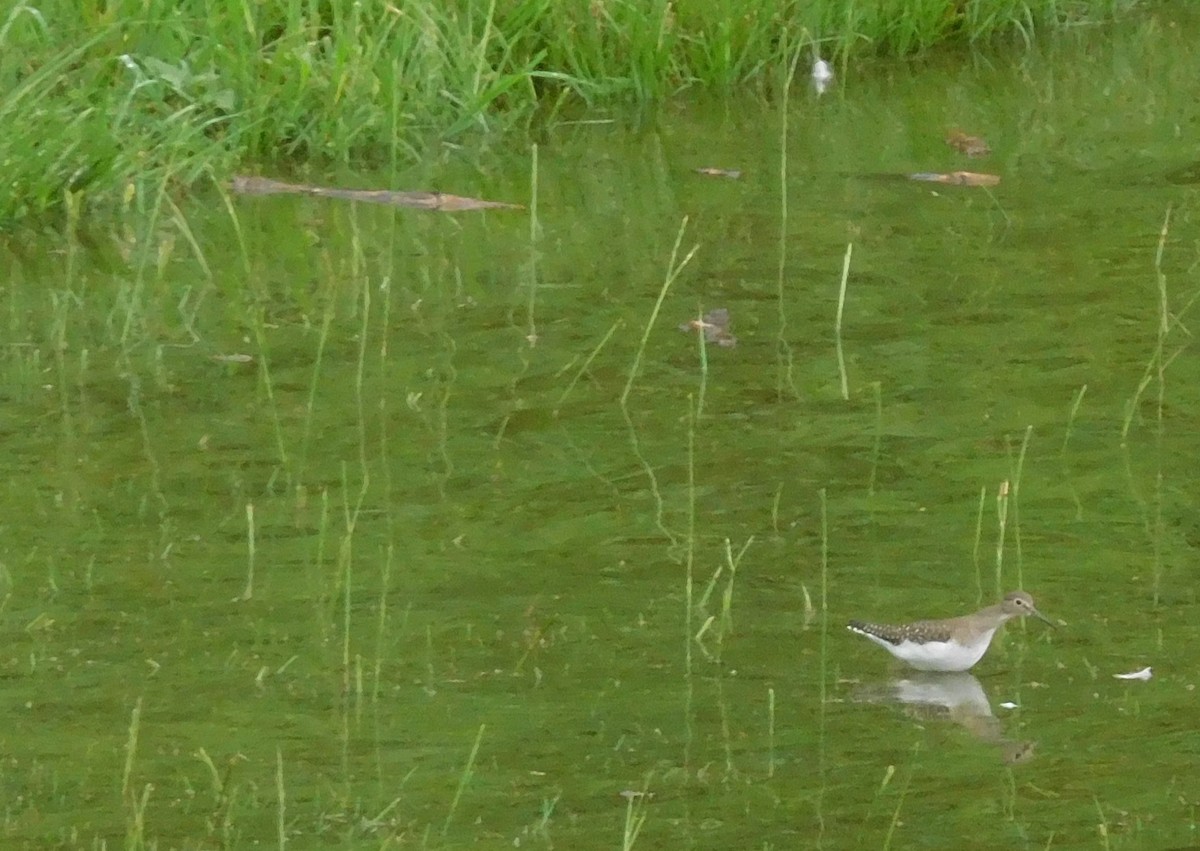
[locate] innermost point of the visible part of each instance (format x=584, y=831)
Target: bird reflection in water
x=949, y=697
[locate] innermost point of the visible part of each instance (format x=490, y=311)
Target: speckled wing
x=919, y=631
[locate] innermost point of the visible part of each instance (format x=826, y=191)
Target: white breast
x=938, y=655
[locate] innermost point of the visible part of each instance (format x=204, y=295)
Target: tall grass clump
x=105, y=99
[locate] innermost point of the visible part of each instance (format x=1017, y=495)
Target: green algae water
x=333, y=525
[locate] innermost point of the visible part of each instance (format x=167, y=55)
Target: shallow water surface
x=360, y=527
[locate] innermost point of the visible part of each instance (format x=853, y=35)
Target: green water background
x=467, y=617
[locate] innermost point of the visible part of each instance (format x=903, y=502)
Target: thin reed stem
x=786, y=366
x=978, y=548
x=674, y=268
x=1001, y=530
x=248, y=591
x=1016, y=505
x=837, y=327
x=770, y=732
x=281, y=797
x=1067, y=476
x=877, y=444
x=535, y=232
x=690, y=556
x=823, y=686
x=467, y=773
x=586, y=365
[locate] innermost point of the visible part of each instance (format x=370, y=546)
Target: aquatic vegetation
x=111, y=101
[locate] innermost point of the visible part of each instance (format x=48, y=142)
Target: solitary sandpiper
x=950, y=644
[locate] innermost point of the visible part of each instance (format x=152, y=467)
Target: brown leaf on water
x=244, y=185
x=964, y=143
x=715, y=327
x=710, y=171
x=958, y=178
x=1014, y=753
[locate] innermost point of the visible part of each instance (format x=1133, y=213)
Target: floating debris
x=957, y=178
x=243, y=185
x=1143, y=674
x=633, y=794
x=731, y=173
x=822, y=76
x=1013, y=753
x=715, y=327
x=964, y=143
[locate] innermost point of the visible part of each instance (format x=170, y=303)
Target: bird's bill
x=1043, y=618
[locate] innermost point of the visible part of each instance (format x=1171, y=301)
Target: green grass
x=106, y=101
